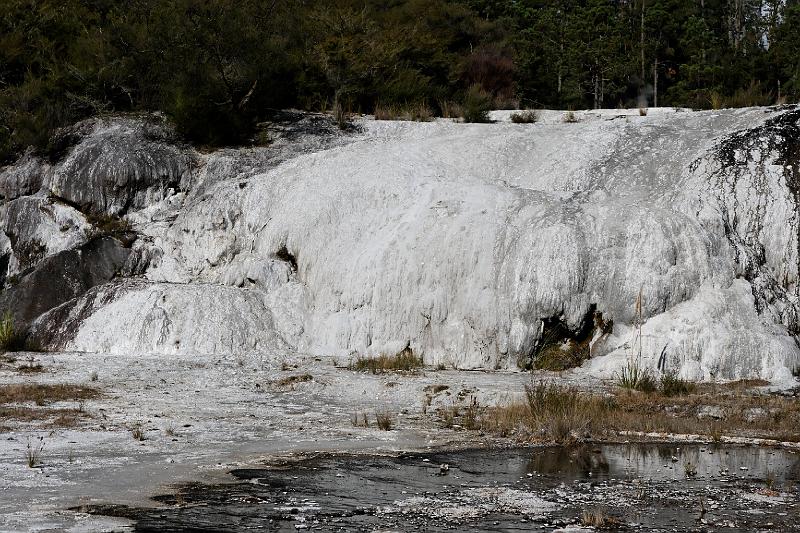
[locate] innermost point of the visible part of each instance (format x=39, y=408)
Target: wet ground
x=643, y=487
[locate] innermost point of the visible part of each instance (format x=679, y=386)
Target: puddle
x=646, y=487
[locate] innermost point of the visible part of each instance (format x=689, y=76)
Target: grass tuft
x=137, y=432
x=633, y=376
x=33, y=452
x=384, y=420
x=672, y=385
x=529, y=116
x=404, y=361
x=600, y=519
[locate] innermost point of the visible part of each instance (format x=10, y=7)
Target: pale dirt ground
x=225, y=413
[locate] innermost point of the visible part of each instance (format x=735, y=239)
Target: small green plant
x=477, y=105
x=633, y=377
x=570, y=117
x=384, y=420
x=33, y=452
x=529, y=116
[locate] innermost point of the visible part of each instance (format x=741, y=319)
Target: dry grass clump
x=360, y=420
x=419, y=112
x=404, y=361
x=7, y=333
x=137, y=432
x=33, y=452
x=57, y=418
x=43, y=394
x=291, y=381
x=673, y=385
x=600, y=519
x=529, y=116
x=384, y=421
x=633, y=376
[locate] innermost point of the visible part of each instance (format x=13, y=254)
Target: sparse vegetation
x=419, y=112
x=673, y=385
x=565, y=415
x=43, y=394
x=137, y=432
x=529, y=116
x=291, y=381
x=570, y=117
x=384, y=420
x=360, y=420
x=600, y=519
x=33, y=452
x=633, y=376
x=31, y=366
x=477, y=105
x=404, y=361
x=7, y=333
x=689, y=469
x=104, y=225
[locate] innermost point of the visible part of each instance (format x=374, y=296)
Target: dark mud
x=645, y=488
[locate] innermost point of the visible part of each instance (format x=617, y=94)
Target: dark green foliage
x=477, y=105
x=219, y=67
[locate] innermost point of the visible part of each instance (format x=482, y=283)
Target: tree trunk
x=655, y=83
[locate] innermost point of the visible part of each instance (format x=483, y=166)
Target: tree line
x=218, y=68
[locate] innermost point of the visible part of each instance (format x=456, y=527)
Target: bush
x=529, y=116
x=673, y=385
x=477, y=105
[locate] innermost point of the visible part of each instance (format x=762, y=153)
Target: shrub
x=529, y=116
x=137, y=432
x=633, y=377
x=673, y=385
x=477, y=105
